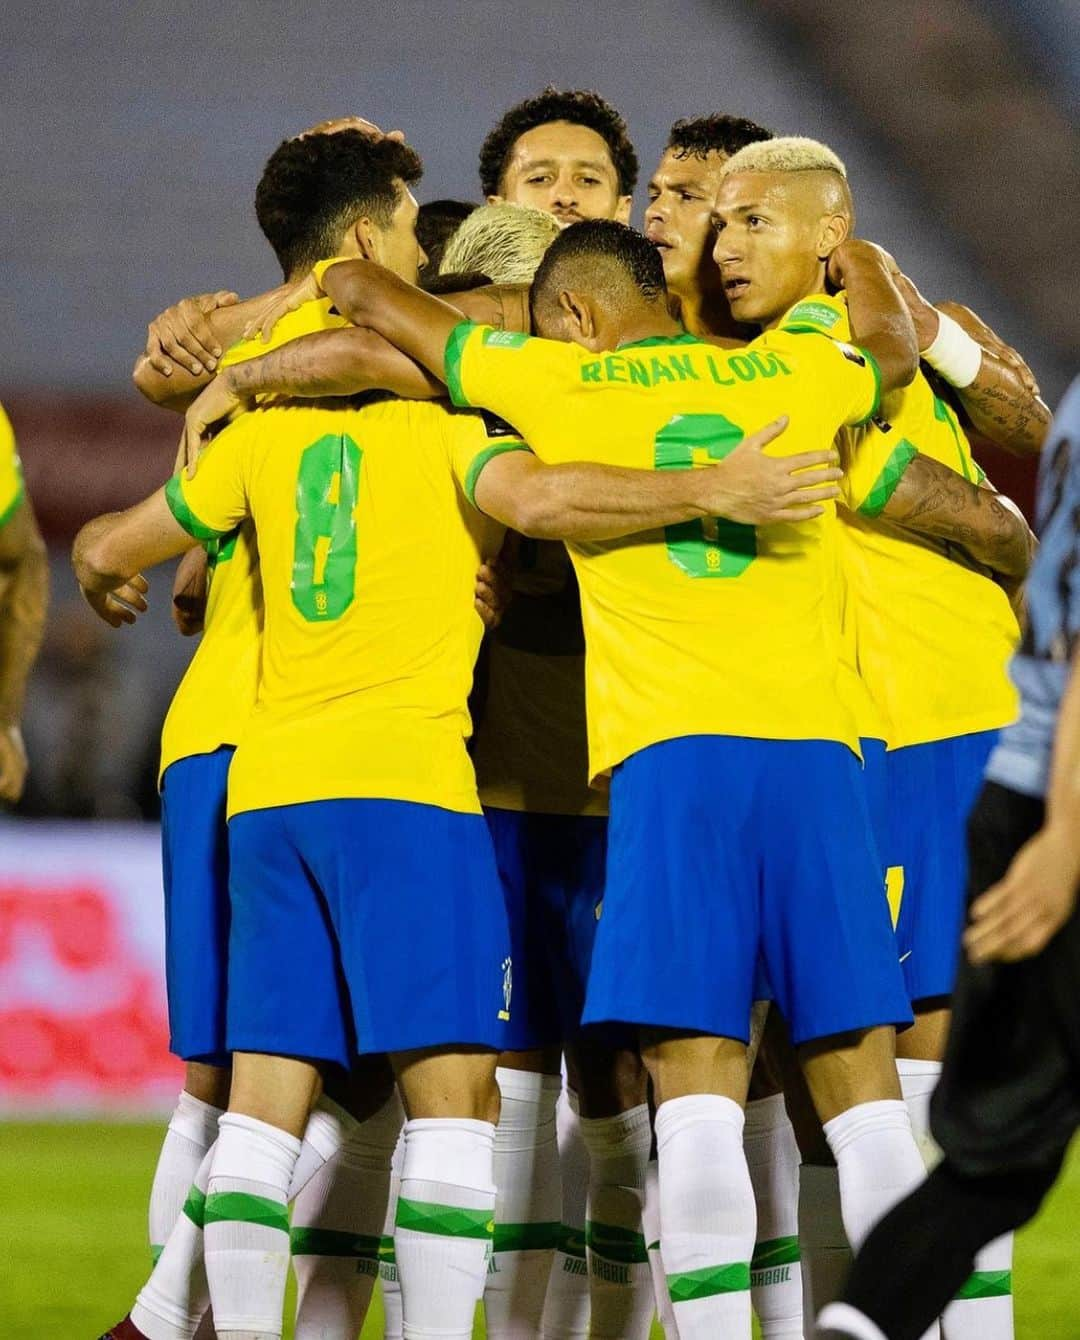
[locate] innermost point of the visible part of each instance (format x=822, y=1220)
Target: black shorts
x=1009, y=1096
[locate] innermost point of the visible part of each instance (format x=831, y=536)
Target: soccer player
x=436, y=224
x=24, y=603
x=658, y=718
x=1005, y=1109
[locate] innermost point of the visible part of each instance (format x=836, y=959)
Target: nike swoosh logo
x=905, y=957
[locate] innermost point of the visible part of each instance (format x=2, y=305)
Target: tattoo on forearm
x=1003, y=408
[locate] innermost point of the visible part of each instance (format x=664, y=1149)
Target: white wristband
x=954, y=354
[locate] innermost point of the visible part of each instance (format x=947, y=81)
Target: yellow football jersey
x=217, y=693
x=530, y=748
x=11, y=480
x=932, y=632
x=368, y=551
x=706, y=627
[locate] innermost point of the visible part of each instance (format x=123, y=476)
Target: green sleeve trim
x=614, y=1243
x=13, y=506
x=987, y=1284
x=239, y=1207
x=478, y=463
x=885, y=485
x=872, y=361
x=174, y=496
x=447, y=1221
x=455, y=348
x=709, y=1281
x=333, y=1242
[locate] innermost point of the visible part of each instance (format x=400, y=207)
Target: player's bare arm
x=935, y=501
x=190, y=590
x=1003, y=401
x=880, y=321
x=24, y=603
x=111, y=551
x=582, y=501
x=1017, y=917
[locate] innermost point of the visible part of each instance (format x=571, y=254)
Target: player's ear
x=834, y=229
x=623, y=209
x=577, y=313
x=368, y=239
x=495, y=200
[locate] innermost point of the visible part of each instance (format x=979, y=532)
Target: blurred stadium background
x=133, y=139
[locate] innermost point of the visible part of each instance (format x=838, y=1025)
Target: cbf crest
x=507, y=987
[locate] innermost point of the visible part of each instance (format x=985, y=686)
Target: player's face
x=565, y=170
x=678, y=220
x=766, y=245
x=397, y=243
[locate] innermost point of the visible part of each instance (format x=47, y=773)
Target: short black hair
x=313, y=187
x=577, y=249
x=436, y=224
x=699, y=136
x=581, y=107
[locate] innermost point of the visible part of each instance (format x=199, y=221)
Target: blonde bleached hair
x=504, y=242
x=787, y=153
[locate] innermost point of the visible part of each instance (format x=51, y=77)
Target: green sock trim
x=653, y=1246
x=386, y=1252
x=195, y=1209
x=775, y=1252
x=155, y=1252
x=613, y=1243
x=709, y=1281
x=332, y=1242
x=527, y=1237
x=239, y=1207
x=448, y=1221
x=572, y=1242
x=987, y=1284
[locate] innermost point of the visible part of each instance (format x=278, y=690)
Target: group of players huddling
x=742, y=435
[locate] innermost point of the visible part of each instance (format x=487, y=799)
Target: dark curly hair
x=313, y=187
x=572, y=259
x=701, y=135
x=581, y=107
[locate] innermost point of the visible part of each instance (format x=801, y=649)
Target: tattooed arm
x=934, y=501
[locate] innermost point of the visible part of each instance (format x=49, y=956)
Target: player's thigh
x=680, y=1065
x=678, y=936
x=829, y=948
x=276, y=1089
x=458, y=1082
x=195, y=869
x=846, y=1070
x=416, y=906
x=287, y=994
x=925, y=1040
x=208, y=1083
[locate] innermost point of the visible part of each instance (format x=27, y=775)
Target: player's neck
x=813, y=287
x=652, y=322
x=705, y=313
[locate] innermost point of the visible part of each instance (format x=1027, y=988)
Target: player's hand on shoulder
x=757, y=489
x=122, y=605
x=183, y=337
x=1017, y=917
x=213, y=406
x=13, y=762
x=282, y=301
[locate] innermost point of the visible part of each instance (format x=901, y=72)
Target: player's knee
x=208, y=1083
x=844, y=1071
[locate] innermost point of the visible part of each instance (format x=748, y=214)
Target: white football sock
x=650, y=1224
x=388, y=1276
x=445, y=1221
x=327, y=1129
x=879, y=1164
x=337, y=1224
x=707, y=1217
x=566, y=1307
x=772, y=1155
x=823, y=1245
x=175, y=1298
x=246, y=1235
x=983, y=1310
x=528, y=1204
x=849, y=1321
x=620, y=1283
x=192, y=1130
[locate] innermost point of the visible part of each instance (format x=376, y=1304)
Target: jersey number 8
x=324, y=546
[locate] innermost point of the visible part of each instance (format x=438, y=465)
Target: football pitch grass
x=73, y=1237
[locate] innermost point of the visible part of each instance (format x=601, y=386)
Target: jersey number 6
x=324, y=547
x=714, y=547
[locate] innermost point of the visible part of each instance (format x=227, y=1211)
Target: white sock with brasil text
x=191, y=1131
x=337, y=1224
x=566, y=1307
x=528, y=1204
x=707, y=1216
x=445, y=1223
x=620, y=1282
x=775, y=1272
x=246, y=1218
x=983, y=1309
